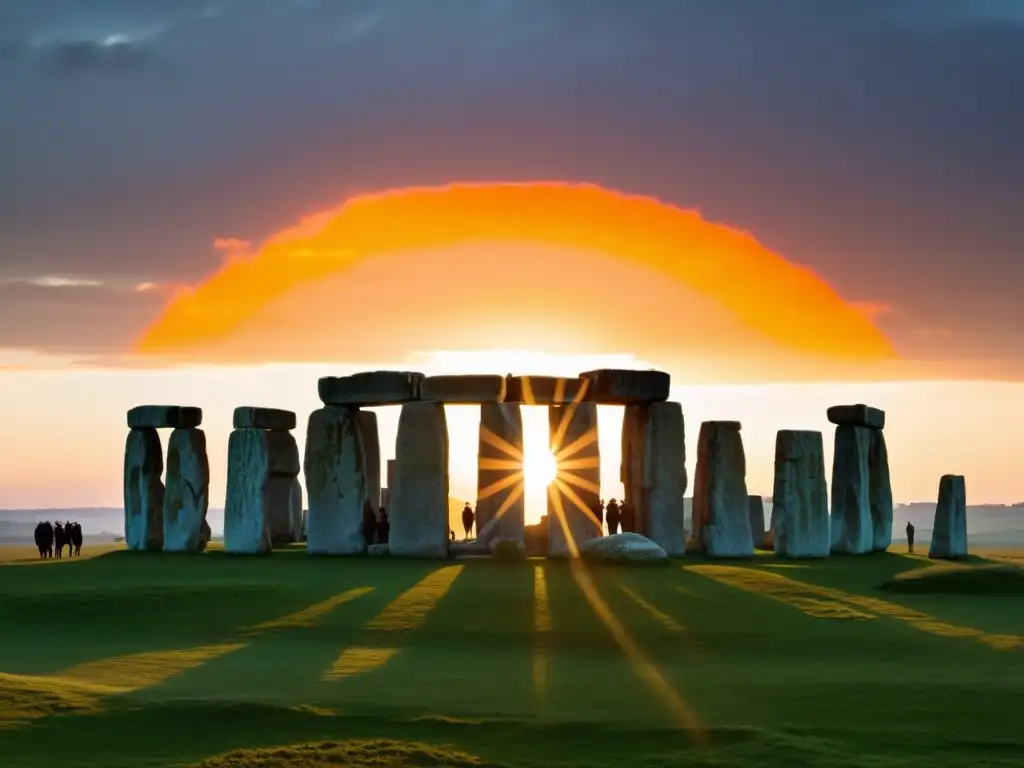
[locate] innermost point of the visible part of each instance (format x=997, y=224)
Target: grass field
x=133, y=659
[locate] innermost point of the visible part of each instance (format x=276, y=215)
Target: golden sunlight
x=539, y=468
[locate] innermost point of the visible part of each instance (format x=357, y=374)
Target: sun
x=539, y=468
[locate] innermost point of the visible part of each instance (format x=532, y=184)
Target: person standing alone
x=910, y=537
x=467, y=518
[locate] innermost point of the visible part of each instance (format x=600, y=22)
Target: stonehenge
x=861, y=515
x=156, y=516
x=342, y=462
x=263, y=466
x=949, y=532
x=800, y=516
x=721, y=516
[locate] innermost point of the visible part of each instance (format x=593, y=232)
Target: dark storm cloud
x=876, y=141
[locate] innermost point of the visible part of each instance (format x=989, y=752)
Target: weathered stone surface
x=755, y=509
x=800, y=498
x=631, y=468
x=164, y=417
x=499, y=468
x=369, y=438
x=852, y=530
x=246, y=512
x=187, y=493
x=623, y=548
x=721, y=519
x=487, y=533
x=466, y=390
x=949, y=532
x=661, y=515
x=543, y=390
x=621, y=387
x=385, y=498
x=471, y=548
x=335, y=482
x=284, y=510
x=282, y=453
x=143, y=490
x=573, y=438
x=378, y=550
x=370, y=388
x=252, y=417
x=880, y=492
x=419, y=496
x=205, y=535
x=859, y=415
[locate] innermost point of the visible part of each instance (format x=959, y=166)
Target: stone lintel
x=254, y=417
x=859, y=415
x=463, y=390
x=543, y=390
x=164, y=417
x=370, y=388
x=622, y=387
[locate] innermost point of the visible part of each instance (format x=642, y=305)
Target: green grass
x=1003, y=578
x=134, y=659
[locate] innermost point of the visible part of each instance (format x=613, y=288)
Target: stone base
x=187, y=493
x=143, y=490
x=721, y=518
x=800, y=517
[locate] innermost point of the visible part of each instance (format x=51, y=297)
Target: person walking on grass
x=467, y=518
x=910, y=537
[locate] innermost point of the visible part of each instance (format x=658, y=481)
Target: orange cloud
x=785, y=303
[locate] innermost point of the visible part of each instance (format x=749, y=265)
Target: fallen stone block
x=574, y=495
x=852, y=529
x=499, y=472
x=880, y=492
x=949, y=532
x=371, y=388
x=755, y=509
x=800, y=517
x=622, y=387
x=187, y=492
x=623, y=548
x=544, y=390
x=248, y=507
x=164, y=417
x=464, y=390
x=721, y=517
x=251, y=417
x=143, y=490
x=419, y=497
x=335, y=482
x=859, y=415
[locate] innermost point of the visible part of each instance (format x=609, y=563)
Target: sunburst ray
x=577, y=502
x=587, y=438
x=580, y=482
x=511, y=499
x=486, y=462
x=503, y=445
x=500, y=485
x=556, y=502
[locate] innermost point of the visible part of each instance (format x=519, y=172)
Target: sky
x=147, y=144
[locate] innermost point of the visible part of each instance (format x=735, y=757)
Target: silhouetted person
x=59, y=539
x=627, y=517
x=467, y=518
x=369, y=524
x=612, y=515
x=383, y=527
x=910, y=537
x=75, y=537
x=452, y=532
x=44, y=539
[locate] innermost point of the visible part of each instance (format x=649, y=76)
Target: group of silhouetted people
x=51, y=538
x=376, y=528
x=616, y=515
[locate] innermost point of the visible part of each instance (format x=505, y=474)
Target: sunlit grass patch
x=541, y=629
x=804, y=597
x=358, y=661
x=30, y=697
x=307, y=617
x=131, y=672
x=348, y=754
x=655, y=613
x=409, y=610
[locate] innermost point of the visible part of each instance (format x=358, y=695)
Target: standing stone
x=246, y=512
x=662, y=519
x=297, y=512
x=370, y=440
x=631, y=468
x=800, y=499
x=284, y=470
x=721, y=520
x=755, y=509
x=419, y=496
x=187, y=493
x=880, y=492
x=949, y=532
x=143, y=490
x=852, y=530
x=335, y=482
x=573, y=429
x=500, y=489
